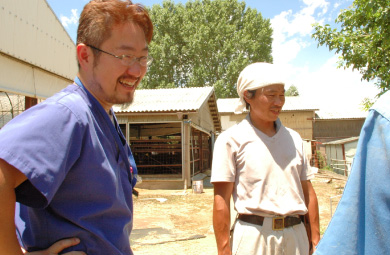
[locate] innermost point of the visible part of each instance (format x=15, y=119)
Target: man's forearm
x=221, y=223
x=8, y=241
x=221, y=216
x=313, y=216
x=8, y=181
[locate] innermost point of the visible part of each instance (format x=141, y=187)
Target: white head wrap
x=254, y=76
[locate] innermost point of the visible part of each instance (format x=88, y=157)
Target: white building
x=37, y=56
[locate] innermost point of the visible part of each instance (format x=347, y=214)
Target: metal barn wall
x=334, y=129
x=350, y=150
x=341, y=151
x=204, y=119
x=37, y=56
x=334, y=151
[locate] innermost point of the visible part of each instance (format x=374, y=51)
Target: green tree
x=292, y=91
x=206, y=43
x=363, y=39
x=366, y=104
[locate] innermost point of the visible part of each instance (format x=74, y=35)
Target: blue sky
x=313, y=70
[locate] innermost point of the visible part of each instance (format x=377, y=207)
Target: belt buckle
x=277, y=223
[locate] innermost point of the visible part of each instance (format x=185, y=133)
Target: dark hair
x=250, y=94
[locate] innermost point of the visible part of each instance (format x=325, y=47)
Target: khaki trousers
x=250, y=239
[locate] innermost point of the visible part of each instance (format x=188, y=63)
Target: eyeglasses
x=128, y=60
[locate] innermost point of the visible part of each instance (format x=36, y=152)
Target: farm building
x=334, y=126
x=340, y=154
x=326, y=130
x=296, y=114
x=171, y=132
x=35, y=68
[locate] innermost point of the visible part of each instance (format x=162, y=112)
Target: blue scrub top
x=361, y=223
x=78, y=166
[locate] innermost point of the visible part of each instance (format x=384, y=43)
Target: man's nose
x=279, y=101
x=135, y=69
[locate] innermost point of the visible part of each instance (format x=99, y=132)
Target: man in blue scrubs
x=66, y=170
x=361, y=223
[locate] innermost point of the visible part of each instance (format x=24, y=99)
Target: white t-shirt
x=267, y=171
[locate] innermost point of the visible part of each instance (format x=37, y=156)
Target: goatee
x=126, y=105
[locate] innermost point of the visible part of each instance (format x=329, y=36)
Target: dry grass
x=328, y=185
x=180, y=222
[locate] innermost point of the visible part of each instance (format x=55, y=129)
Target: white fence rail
x=340, y=166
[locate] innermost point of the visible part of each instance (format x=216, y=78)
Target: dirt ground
x=180, y=222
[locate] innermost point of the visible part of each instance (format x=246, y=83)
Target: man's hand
x=57, y=247
x=313, y=213
x=312, y=250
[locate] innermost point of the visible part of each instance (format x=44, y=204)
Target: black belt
x=278, y=223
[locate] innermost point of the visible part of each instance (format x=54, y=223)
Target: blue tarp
x=361, y=223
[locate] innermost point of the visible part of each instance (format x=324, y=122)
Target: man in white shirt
x=263, y=165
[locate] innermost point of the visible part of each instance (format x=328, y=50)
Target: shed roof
x=228, y=105
x=343, y=141
x=349, y=114
x=173, y=100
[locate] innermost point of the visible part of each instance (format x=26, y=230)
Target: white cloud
x=299, y=23
x=331, y=89
x=285, y=52
x=334, y=89
x=292, y=31
x=72, y=20
x=312, y=6
x=285, y=49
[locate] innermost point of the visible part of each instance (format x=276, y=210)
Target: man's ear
x=245, y=95
x=84, y=56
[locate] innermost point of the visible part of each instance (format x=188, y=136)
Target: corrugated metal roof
x=343, y=141
x=167, y=100
x=173, y=100
x=341, y=114
x=299, y=104
x=227, y=105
